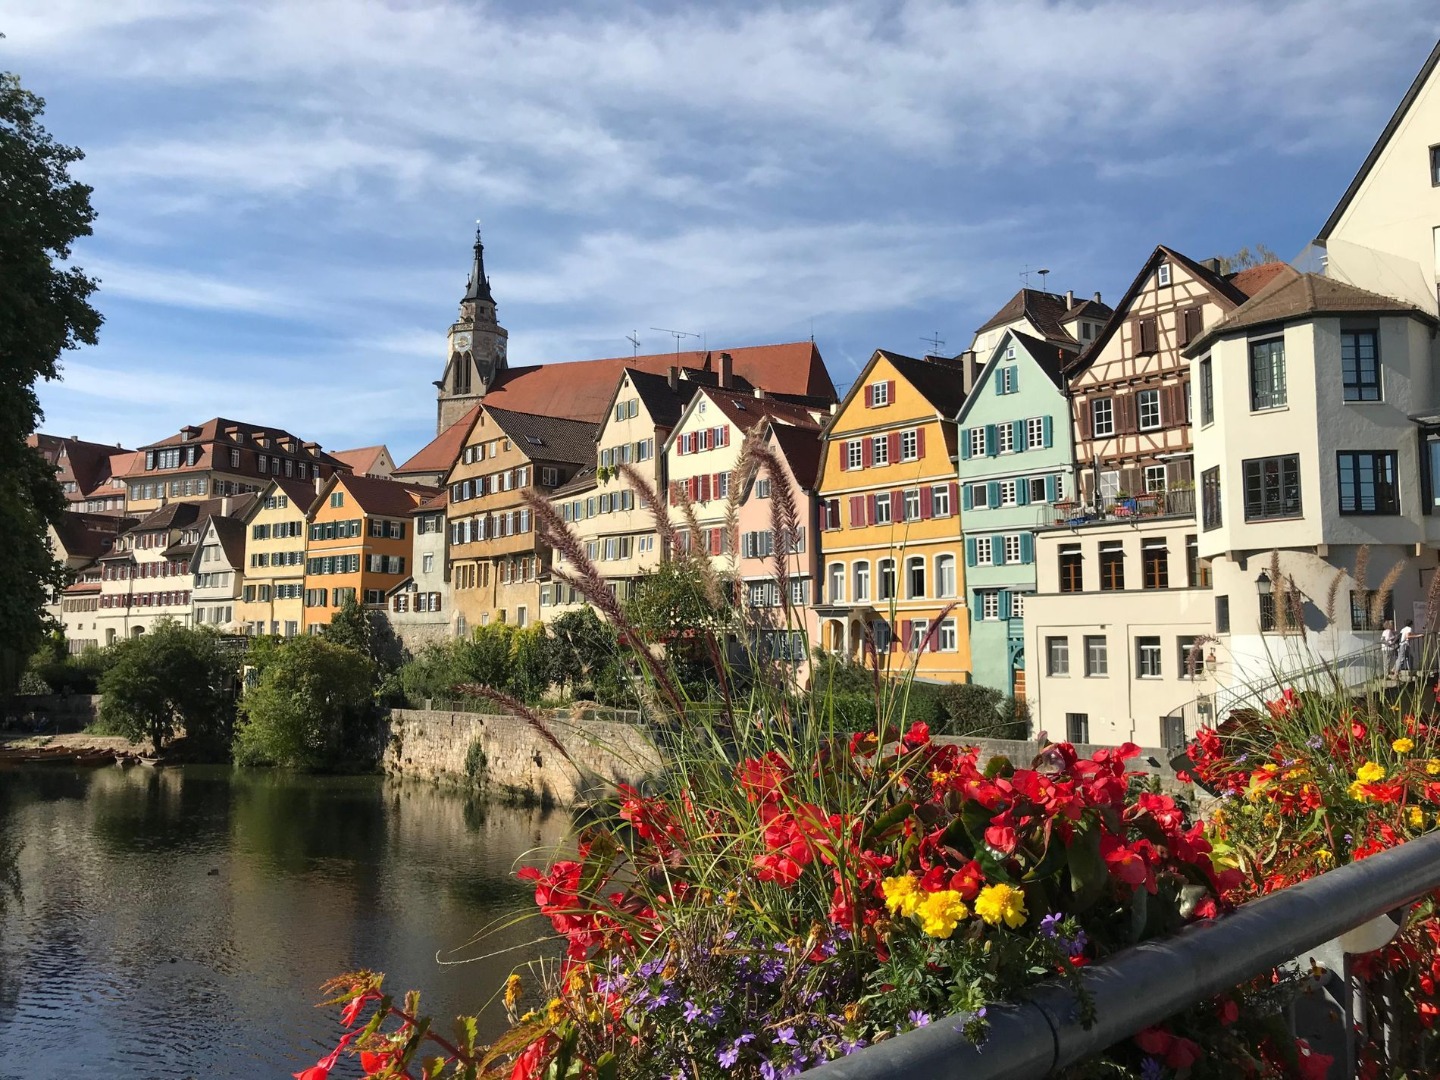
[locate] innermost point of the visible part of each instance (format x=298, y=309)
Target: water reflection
x=176, y=923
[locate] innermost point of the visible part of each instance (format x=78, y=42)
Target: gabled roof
x=216, y=428
x=1052, y=358
x=1304, y=296
x=439, y=501
x=746, y=410
x=546, y=438
x=942, y=385
x=1426, y=69
x=583, y=480
x=1047, y=312
x=89, y=536
x=361, y=459
x=230, y=532
x=441, y=452
x=300, y=492
x=665, y=405
x=89, y=464
x=385, y=498
x=1226, y=294
x=1255, y=279
x=802, y=450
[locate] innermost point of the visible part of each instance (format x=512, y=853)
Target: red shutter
x=897, y=506
x=704, y=489
x=869, y=509
x=857, y=511
x=905, y=634
x=867, y=453
x=844, y=457
x=927, y=503
x=714, y=541
x=1082, y=419
x=869, y=396
x=954, y=499
x=890, y=391
x=920, y=442
x=894, y=447
x=725, y=436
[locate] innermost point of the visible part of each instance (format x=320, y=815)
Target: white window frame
x=1008, y=494
x=884, y=512
x=947, y=639
x=980, y=497
x=854, y=455
x=1012, y=547
x=880, y=450
x=912, y=564
x=887, y=563
x=1155, y=478
x=1057, y=661
x=910, y=445
x=1149, y=656
x=940, y=501
x=1017, y=605
x=945, y=566
x=1162, y=274
x=912, y=504
x=879, y=394
x=1035, y=432
x=836, y=591
x=860, y=580
x=989, y=604
x=1148, y=401
x=977, y=442
x=984, y=550
x=1109, y=422
x=1005, y=438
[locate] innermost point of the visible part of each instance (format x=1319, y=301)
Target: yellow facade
x=273, y=600
x=892, y=554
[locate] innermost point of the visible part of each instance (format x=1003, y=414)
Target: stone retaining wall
x=52, y=713
x=506, y=757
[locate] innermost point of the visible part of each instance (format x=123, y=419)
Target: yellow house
x=273, y=600
x=891, y=545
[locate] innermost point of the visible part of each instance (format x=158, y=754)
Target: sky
x=287, y=190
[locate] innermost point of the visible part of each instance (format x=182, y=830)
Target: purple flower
x=1242, y=759
x=768, y=1071
x=1150, y=1069
x=651, y=968
x=660, y=1000
x=715, y=1014
x=918, y=1018
x=729, y=1056
x=771, y=970
x=785, y=1036
x=849, y=1046
x=692, y=1012
x=1076, y=945
x=1314, y=742
x=1049, y=925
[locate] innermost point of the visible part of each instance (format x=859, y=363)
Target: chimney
x=727, y=371
x=674, y=375
x=1069, y=299
x=759, y=393
x=1213, y=265
x=1097, y=298
x=225, y=506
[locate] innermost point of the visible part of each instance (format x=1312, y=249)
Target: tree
x=985, y=713
x=673, y=601
x=350, y=626
x=312, y=707
x=170, y=680
x=585, y=648
x=44, y=310
x=1245, y=258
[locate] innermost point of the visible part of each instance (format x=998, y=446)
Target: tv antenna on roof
x=1044, y=273
x=935, y=341
x=676, y=334
x=634, y=339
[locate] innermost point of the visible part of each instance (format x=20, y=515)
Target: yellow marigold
x=555, y=1011
x=512, y=991
x=1323, y=857
x=1370, y=772
x=1403, y=745
x=1357, y=791
x=939, y=913
x=1001, y=903
x=1270, y=821
x=902, y=894
x=1415, y=817
x=1433, y=766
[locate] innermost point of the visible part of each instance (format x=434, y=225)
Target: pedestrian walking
x=1389, y=640
x=1403, y=647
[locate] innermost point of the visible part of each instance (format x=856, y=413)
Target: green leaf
x=1139, y=913
x=606, y=1067
x=1088, y=876
x=885, y=822
x=467, y=1027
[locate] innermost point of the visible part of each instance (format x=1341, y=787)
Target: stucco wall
x=518, y=761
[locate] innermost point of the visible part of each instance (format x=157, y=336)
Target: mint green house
x=1016, y=461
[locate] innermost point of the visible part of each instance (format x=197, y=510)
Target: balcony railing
x=1310, y=927
x=1110, y=510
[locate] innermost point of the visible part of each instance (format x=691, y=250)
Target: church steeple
x=475, y=347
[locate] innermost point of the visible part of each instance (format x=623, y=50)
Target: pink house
x=788, y=633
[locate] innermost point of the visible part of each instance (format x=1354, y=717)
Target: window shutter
x=1022, y=492
x=927, y=503
x=997, y=551
x=992, y=444
x=1083, y=424
x=905, y=625
x=890, y=390
x=1020, y=435
x=966, y=497
x=1015, y=378
x=714, y=541
x=867, y=453
x=970, y=554
x=1004, y=603
x=1050, y=488
x=1046, y=425
x=844, y=457
x=964, y=444
x=897, y=506
x=999, y=382
x=857, y=511
x=1027, y=547
x=920, y=442
x=869, y=509
x=993, y=490
x=954, y=496
x=894, y=441
x=869, y=395
x=705, y=488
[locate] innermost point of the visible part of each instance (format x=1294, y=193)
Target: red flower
x=1183, y=1053
x=321, y=1069
x=358, y=1002
x=1313, y=1066
x=917, y=736
x=372, y=1062
x=533, y=1060
x=1228, y=1011
x=763, y=778
x=1154, y=1041
x=778, y=868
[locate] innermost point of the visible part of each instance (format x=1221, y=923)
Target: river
x=178, y=922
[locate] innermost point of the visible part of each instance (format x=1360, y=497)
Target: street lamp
x=1263, y=585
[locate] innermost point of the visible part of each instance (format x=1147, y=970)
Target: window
x=1112, y=566
x=1017, y=605
x=337, y=498
x=1005, y=438
x=1267, y=614
x=836, y=583
x=882, y=509
x=989, y=604
x=762, y=488
x=1072, y=568
x=1360, y=364
x=862, y=581
x=880, y=634
x=1013, y=548
x=1007, y=376
x=1148, y=404
x=1097, y=656
x=1147, y=657
x=1189, y=662
x=909, y=445
x=915, y=576
x=1057, y=656
x=549, y=476
x=1009, y=493
x=1365, y=610
x=1147, y=335
x=1037, y=489
x=980, y=495
x=1155, y=564
x=1077, y=727
x=912, y=505
x=948, y=641
x=886, y=572
x=1435, y=166
x=1154, y=478
x=1207, y=393
x=984, y=550
x=977, y=442
x=1222, y=614
x=854, y=455
x=940, y=501
x=1367, y=482
x=1210, y=498
x=879, y=394
x=1035, y=432
x=1102, y=417
x=1162, y=275
x=1197, y=570
x=945, y=576
x=918, y=628
x=1267, y=374
x=1272, y=487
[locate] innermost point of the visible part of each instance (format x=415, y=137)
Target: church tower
x=475, y=347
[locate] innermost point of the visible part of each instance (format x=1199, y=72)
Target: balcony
x=1112, y=510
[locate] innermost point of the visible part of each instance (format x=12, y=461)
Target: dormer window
x=1162, y=275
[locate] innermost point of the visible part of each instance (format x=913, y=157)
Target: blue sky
x=287, y=188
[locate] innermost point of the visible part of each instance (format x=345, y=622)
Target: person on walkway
x=1389, y=639
x=1402, y=649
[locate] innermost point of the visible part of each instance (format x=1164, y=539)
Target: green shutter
x=964, y=444
x=1050, y=488
x=965, y=502
x=1022, y=492
x=994, y=492
x=969, y=551
x=1049, y=438
x=991, y=443
x=1015, y=379
x=1027, y=547
x=1004, y=603
x=1020, y=443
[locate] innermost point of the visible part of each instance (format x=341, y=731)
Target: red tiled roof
x=360, y=459
x=1254, y=278
x=435, y=502
x=441, y=452
x=746, y=410
x=389, y=498
x=214, y=429
x=802, y=450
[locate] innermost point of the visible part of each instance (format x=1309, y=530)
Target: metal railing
x=1153, y=981
x=1109, y=510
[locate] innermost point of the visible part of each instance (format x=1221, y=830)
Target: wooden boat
x=56, y=755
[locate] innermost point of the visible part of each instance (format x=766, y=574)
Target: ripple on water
x=178, y=923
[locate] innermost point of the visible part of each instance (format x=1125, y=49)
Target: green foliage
x=586, y=648
x=350, y=627
x=675, y=600
x=311, y=707
x=52, y=669
x=477, y=765
x=983, y=712
x=173, y=678
x=44, y=310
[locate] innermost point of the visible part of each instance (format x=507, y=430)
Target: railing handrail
x=1150, y=982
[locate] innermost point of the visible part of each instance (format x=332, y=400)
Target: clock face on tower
x=462, y=342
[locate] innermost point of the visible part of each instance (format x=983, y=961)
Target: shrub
x=312, y=707
x=171, y=679
x=983, y=712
